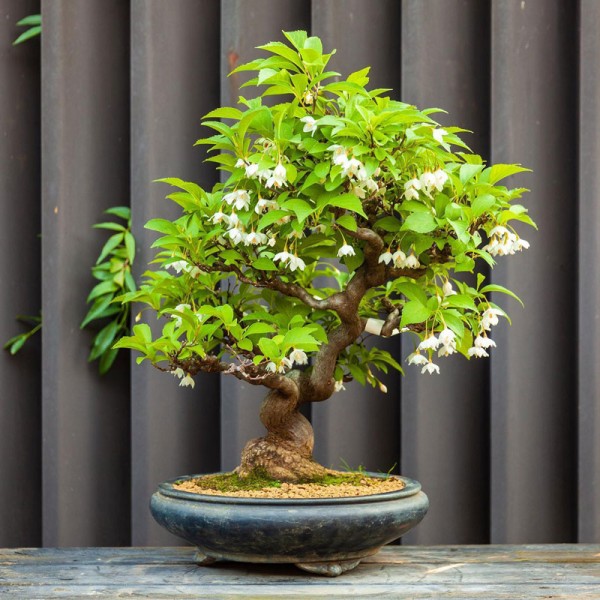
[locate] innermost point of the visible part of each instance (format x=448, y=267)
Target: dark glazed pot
x=325, y=535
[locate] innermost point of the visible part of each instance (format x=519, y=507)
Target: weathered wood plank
x=562, y=571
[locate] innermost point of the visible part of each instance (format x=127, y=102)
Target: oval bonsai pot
x=322, y=535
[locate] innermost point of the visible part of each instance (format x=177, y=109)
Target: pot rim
x=411, y=488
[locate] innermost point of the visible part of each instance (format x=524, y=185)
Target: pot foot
x=201, y=559
x=329, y=569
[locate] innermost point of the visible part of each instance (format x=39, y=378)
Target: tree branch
x=289, y=289
x=247, y=372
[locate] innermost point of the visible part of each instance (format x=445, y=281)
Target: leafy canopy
x=248, y=275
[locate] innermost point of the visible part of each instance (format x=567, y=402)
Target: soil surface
x=355, y=485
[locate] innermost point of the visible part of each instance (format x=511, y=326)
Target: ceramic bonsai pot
x=326, y=535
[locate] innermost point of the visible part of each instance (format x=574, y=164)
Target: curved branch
x=289, y=289
x=249, y=372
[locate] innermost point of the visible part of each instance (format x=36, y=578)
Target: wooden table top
x=466, y=572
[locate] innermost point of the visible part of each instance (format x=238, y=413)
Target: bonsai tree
x=343, y=214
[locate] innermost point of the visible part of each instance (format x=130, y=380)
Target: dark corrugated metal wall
x=508, y=450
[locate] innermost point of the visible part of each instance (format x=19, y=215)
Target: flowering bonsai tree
x=344, y=214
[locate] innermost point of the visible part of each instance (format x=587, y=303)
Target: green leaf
x=107, y=360
x=260, y=328
x=347, y=222
x=501, y=171
x=271, y=217
x=481, y=204
x=16, y=343
x=143, y=332
x=390, y=224
x=414, y=312
x=27, y=35
x=298, y=337
x=347, y=201
x=493, y=287
x=245, y=344
x=130, y=245
x=103, y=340
x=467, y=172
x=112, y=242
x=109, y=225
x=421, y=222
x=269, y=348
x=264, y=264
x=461, y=301
x=97, y=309
x=225, y=112
x=301, y=208
x=30, y=20
x=105, y=287
x=122, y=212
x=321, y=170
x=162, y=226
x=296, y=37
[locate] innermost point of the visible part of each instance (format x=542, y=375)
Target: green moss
x=258, y=479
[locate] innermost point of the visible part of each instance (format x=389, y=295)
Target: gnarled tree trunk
x=285, y=452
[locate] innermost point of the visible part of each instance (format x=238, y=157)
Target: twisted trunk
x=285, y=452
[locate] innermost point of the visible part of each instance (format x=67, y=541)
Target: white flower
x=447, y=289
x=339, y=156
x=412, y=262
x=358, y=192
x=339, y=386
x=416, y=358
x=346, y=250
x=178, y=373
x=438, y=135
x=520, y=244
x=352, y=168
x=277, y=179
x=251, y=170
x=240, y=163
x=299, y=357
x=262, y=204
x=399, y=259
x=233, y=220
x=386, y=257
x=254, y=238
x=310, y=124
x=283, y=257
x=297, y=263
x=503, y=242
x=187, y=381
x=239, y=198
x=219, y=217
x=265, y=174
x=477, y=352
x=447, y=337
x=179, y=308
x=429, y=343
x=411, y=189
x=383, y=387
x=178, y=266
x=440, y=177
x=431, y=368
x=291, y=260
x=271, y=367
x=428, y=181
x=484, y=342
x=272, y=241
x=447, y=340
x=489, y=318
x=308, y=98
x=236, y=235
x=372, y=185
